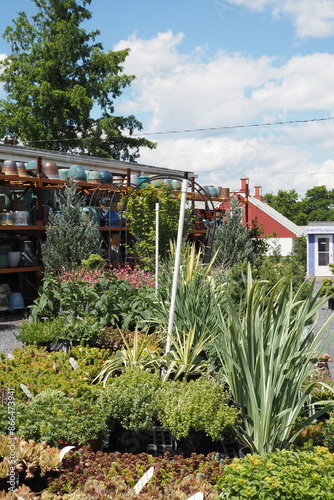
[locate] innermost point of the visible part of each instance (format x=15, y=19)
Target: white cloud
x=190, y=91
x=311, y=18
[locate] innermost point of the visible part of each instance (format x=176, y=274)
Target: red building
x=278, y=228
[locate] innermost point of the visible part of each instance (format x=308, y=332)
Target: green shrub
x=53, y=417
x=40, y=331
x=328, y=432
x=198, y=405
x=293, y=475
x=38, y=369
x=130, y=399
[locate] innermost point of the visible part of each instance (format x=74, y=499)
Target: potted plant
x=327, y=290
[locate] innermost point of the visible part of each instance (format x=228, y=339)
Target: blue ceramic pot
x=77, y=173
x=106, y=177
x=111, y=218
x=15, y=300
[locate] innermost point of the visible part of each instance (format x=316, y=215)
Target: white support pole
x=156, y=244
x=177, y=260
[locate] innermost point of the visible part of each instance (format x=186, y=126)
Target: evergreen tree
x=232, y=240
x=54, y=77
x=70, y=235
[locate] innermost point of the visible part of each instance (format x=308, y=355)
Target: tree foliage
x=233, y=241
x=317, y=204
x=70, y=237
x=54, y=77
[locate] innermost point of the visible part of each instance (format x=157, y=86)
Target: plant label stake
x=26, y=391
x=73, y=363
x=197, y=496
x=143, y=480
x=63, y=452
x=177, y=260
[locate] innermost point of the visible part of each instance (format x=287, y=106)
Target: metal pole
x=177, y=260
x=156, y=244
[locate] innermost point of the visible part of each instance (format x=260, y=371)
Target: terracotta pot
x=51, y=170
x=9, y=167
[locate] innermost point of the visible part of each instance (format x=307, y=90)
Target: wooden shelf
x=21, y=228
x=26, y=269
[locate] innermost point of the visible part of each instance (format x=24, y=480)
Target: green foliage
x=327, y=288
x=40, y=331
x=55, y=76
x=328, y=432
x=232, y=240
x=70, y=237
x=317, y=205
x=52, y=416
x=94, y=261
x=299, y=251
x=266, y=359
x=302, y=475
x=143, y=354
x=38, y=369
x=107, y=301
x=130, y=399
x=140, y=211
x=200, y=405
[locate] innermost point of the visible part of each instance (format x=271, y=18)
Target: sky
x=211, y=73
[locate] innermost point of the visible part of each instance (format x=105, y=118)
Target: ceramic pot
x=63, y=173
x=91, y=215
x=20, y=218
x=2, y=202
x=4, y=302
x=21, y=169
x=134, y=180
x=5, y=288
x=77, y=173
x=87, y=174
x=143, y=180
x=118, y=180
x=224, y=193
x=14, y=259
x=3, y=260
x=111, y=218
x=51, y=170
x=15, y=300
x=106, y=177
x=6, y=219
x=94, y=177
x=9, y=167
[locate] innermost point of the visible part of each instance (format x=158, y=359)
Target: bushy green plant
x=130, y=399
x=94, y=261
x=70, y=236
x=198, y=405
x=297, y=475
x=328, y=432
x=112, y=302
x=140, y=211
x=40, y=331
x=38, y=369
x=53, y=417
x=266, y=359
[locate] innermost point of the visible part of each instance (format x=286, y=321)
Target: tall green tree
x=317, y=204
x=55, y=76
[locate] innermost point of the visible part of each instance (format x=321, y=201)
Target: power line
x=203, y=129
x=228, y=127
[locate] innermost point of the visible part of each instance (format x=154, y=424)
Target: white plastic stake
x=73, y=363
x=177, y=260
x=156, y=243
x=26, y=391
x=197, y=496
x=63, y=452
x=143, y=480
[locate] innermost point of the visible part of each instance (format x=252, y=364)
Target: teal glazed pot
x=106, y=177
x=63, y=173
x=176, y=185
x=143, y=180
x=77, y=173
x=15, y=300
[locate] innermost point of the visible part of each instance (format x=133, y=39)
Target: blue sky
x=211, y=64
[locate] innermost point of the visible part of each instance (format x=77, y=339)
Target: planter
x=331, y=303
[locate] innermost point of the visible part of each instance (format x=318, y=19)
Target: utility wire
x=204, y=129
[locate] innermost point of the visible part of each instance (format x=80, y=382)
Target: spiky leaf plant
x=267, y=356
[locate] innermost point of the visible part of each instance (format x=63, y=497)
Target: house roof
x=284, y=221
